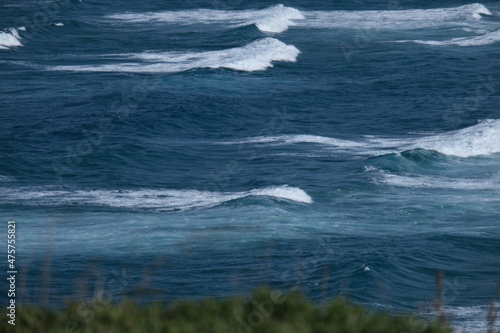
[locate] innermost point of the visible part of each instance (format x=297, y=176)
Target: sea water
x=164, y=150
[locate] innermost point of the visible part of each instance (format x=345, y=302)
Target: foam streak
x=480, y=139
x=275, y=19
x=255, y=56
x=156, y=199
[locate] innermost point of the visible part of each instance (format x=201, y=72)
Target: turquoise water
x=168, y=150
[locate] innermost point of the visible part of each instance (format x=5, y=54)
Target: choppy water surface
x=203, y=149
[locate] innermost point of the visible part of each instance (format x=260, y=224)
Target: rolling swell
x=278, y=18
x=115, y=168
x=484, y=39
x=398, y=19
x=477, y=140
x=274, y=19
x=149, y=199
x=255, y=56
x=441, y=182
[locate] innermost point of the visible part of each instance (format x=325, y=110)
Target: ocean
x=165, y=150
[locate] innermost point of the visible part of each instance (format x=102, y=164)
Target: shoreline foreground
x=266, y=311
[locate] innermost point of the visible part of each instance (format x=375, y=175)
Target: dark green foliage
x=265, y=312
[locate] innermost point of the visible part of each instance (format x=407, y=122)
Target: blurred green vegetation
x=265, y=312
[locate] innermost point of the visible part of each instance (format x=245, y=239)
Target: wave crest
x=159, y=200
x=255, y=56
x=9, y=39
x=274, y=19
x=484, y=39
x=397, y=19
x=278, y=18
x=480, y=139
x=436, y=182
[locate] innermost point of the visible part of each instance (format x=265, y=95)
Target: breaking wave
x=156, y=199
x=278, y=18
x=480, y=139
x=397, y=19
x=255, y=56
x=9, y=39
x=484, y=39
x=274, y=19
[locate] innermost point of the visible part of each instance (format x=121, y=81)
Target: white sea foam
x=278, y=18
x=5, y=179
x=484, y=39
x=477, y=140
x=9, y=38
x=364, y=146
x=301, y=138
x=283, y=192
x=471, y=319
x=160, y=200
x=255, y=56
x=480, y=139
x=396, y=19
x=492, y=184
x=274, y=19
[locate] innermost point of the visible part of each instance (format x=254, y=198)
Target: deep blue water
x=165, y=149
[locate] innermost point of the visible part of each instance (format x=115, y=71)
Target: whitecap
x=156, y=199
x=278, y=18
x=484, y=39
x=255, y=56
x=480, y=139
x=396, y=19
x=300, y=138
x=9, y=38
x=284, y=192
x=439, y=182
x=274, y=19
